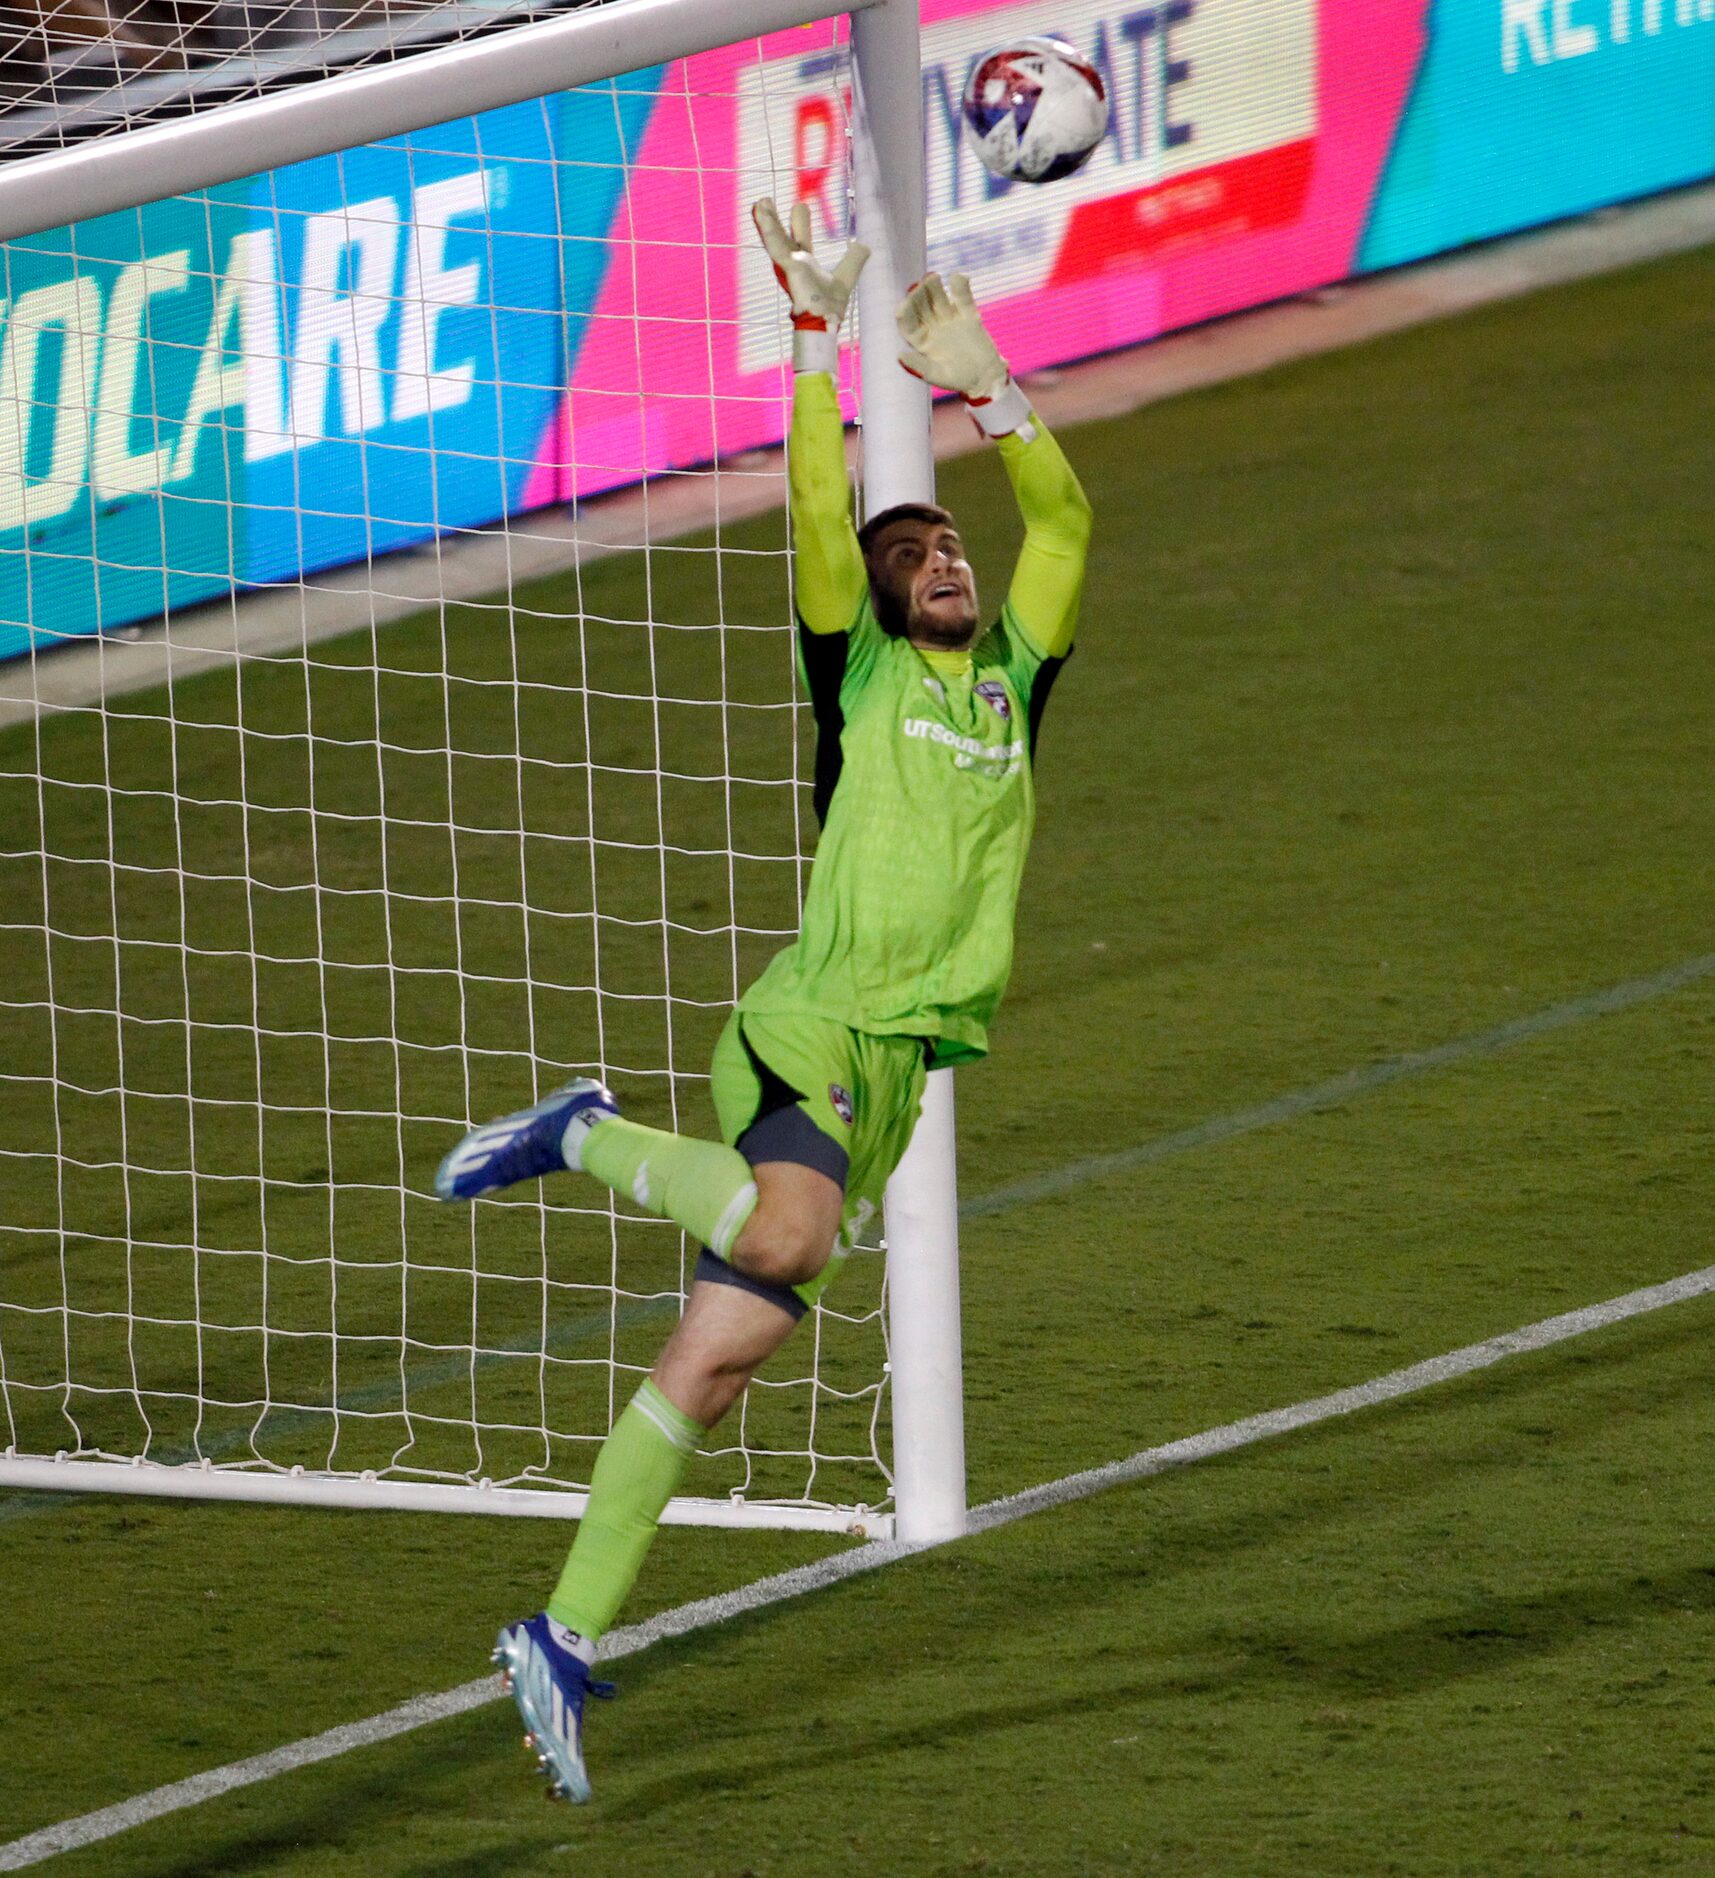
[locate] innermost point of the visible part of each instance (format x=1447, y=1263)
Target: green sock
x=640, y=1464
x=699, y=1185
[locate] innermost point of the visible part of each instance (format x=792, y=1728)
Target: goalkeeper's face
x=924, y=583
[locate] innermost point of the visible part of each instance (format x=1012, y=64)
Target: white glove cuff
x=1008, y=410
x=815, y=352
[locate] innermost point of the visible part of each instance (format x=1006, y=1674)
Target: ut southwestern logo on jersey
x=997, y=759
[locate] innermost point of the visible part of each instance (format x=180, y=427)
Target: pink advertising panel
x=1246, y=142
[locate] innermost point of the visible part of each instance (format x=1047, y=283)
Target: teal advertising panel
x=109, y=509
x=1528, y=110
x=315, y=367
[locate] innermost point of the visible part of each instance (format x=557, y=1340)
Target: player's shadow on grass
x=1475, y=1639
x=1421, y=1463
x=1478, y=1638
x=447, y=1778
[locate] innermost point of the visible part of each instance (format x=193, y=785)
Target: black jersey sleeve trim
x=1040, y=686
x=824, y=657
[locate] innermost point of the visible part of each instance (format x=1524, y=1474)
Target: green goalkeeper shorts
x=807, y=1089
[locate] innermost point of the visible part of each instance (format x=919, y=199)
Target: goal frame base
x=376, y=1493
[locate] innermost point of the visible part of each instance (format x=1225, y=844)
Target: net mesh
x=72, y=70
x=405, y=842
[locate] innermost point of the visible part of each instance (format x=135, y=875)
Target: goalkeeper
x=925, y=727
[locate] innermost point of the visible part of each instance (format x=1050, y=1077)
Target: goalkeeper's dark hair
x=890, y=616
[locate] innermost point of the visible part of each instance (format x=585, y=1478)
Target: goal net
x=401, y=718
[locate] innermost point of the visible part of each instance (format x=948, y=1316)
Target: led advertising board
x=428, y=334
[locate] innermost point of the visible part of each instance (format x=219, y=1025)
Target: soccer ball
x=1035, y=110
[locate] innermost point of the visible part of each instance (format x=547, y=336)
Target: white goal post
x=229, y=142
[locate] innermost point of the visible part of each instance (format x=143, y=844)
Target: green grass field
x=1390, y=725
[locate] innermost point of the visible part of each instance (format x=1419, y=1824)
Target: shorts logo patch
x=992, y=692
x=842, y=1102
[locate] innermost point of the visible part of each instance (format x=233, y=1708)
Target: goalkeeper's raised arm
x=827, y=563
x=916, y=573
x=945, y=341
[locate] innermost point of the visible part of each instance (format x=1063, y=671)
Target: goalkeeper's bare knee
x=789, y=1236
x=783, y=1245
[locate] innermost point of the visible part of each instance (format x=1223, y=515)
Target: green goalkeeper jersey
x=923, y=779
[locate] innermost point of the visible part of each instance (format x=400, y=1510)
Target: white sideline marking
x=90, y=1828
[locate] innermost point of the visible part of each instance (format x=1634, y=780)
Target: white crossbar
x=235, y=140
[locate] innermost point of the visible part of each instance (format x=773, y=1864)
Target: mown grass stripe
x=782, y=1587
x=1342, y=1088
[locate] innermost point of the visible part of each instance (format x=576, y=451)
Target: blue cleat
x=539, y=1140
x=550, y=1686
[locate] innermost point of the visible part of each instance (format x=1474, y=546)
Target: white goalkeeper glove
x=946, y=342
x=819, y=299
